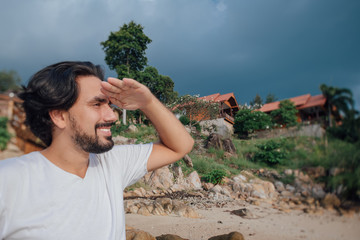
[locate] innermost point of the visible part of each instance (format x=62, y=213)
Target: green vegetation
x=144, y=134
x=4, y=134
x=247, y=121
x=285, y=114
x=9, y=80
x=271, y=152
x=216, y=176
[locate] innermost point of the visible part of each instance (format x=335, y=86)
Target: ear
x=58, y=117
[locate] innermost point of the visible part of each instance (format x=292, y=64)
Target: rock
x=286, y=193
x=161, y=178
x=143, y=210
x=178, y=174
x=229, y=146
x=214, y=141
x=304, y=177
x=188, y=161
x=170, y=237
x=288, y=172
x=166, y=204
x=120, y=140
x=193, y=181
x=330, y=201
x=216, y=189
x=132, y=234
x=258, y=191
x=230, y=236
x=244, y=213
x=290, y=188
x=240, y=178
x=335, y=171
x=180, y=209
x=315, y=172
x=318, y=192
x=207, y=186
x=132, y=128
x=279, y=186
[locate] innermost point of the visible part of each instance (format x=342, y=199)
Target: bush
x=184, y=120
x=271, y=152
x=286, y=114
x=248, y=121
x=216, y=176
x=4, y=134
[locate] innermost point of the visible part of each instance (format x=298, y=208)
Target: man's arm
x=175, y=140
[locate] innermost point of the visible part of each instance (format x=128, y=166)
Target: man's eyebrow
x=99, y=99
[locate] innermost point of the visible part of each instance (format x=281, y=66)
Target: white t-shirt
x=39, y=200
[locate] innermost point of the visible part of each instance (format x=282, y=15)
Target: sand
x=268, y=223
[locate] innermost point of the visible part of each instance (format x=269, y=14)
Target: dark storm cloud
x=284, y=47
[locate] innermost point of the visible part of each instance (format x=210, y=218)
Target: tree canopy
x=270, y=98
x=161, y=86
x=257, y=102
x=337, y=100
x=247, y=121
x=9, y=80
x=285, y=114
x=125, y=50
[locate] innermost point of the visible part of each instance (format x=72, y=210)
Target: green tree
x=286, y=114
x=270, y=98
x=161, y=86
x=125, y=50
x=9, y=80
x=257, y=102
x=337, y=100
x=247, y=121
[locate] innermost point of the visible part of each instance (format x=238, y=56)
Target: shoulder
x=17, y=166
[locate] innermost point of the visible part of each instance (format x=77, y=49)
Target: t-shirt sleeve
x=129, y=161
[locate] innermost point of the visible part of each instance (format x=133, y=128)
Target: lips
x=104, y=128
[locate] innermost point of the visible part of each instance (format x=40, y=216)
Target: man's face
x=91, y=117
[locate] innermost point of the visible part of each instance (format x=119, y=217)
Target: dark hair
x=53, y=88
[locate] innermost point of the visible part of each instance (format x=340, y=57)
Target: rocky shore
x=246, y=196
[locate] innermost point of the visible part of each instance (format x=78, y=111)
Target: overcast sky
x=284, y=47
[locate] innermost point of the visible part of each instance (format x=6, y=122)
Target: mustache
x=104, y=125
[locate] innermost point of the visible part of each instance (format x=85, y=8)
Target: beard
x=88, y=143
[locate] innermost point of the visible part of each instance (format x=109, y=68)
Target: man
x=73, y=189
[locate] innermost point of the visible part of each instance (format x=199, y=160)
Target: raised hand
x=127, y=93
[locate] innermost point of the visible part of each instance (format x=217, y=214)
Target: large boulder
x=230, y=236
x=133, y=234
x=161, y=178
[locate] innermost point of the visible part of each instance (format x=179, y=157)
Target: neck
x=68, y=158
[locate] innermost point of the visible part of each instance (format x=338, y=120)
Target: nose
x=109, y=114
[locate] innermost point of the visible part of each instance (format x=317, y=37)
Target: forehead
x=89, y=87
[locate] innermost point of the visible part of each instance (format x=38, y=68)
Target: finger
x=114, y=85
x=131, y=83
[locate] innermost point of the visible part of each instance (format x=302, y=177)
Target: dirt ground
x=267, y=224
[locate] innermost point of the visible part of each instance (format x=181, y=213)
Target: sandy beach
x=267, y=224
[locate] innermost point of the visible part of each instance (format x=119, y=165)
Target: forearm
x=172, y=133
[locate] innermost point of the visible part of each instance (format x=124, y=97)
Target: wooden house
x=228, y=105
x=311, y=109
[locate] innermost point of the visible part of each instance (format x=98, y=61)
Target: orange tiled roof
x=318, y=100
x=217, y=97
x=301, y=102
